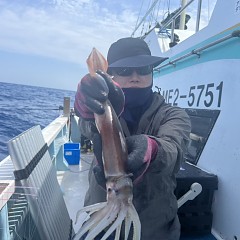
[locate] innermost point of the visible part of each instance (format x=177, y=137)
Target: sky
x=46, y=42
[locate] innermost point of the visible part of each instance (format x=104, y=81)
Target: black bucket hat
x=131, y=52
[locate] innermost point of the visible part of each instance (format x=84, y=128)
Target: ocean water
x=22, y=107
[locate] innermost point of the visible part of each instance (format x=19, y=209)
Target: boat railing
x=171, y=21
x=55, y=135
x=199, y=51
x=174, y=17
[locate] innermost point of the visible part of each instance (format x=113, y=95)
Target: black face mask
x=137, y=101
x=137, y=97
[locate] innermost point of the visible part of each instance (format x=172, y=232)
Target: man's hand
x=93, y=91
x=141, y=151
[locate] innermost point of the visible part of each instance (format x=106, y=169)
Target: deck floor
x=74, y=184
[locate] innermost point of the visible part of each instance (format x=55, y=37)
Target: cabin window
x=202, y=121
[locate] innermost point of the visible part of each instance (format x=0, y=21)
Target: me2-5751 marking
x=208, y=95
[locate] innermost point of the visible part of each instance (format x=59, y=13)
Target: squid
x=118, y=214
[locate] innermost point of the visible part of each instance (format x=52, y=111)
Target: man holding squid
x=156, y=135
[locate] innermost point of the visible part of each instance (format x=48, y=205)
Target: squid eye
x=109, y=189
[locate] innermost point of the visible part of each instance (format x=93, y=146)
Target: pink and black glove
x=141, y=151
x=93, y=91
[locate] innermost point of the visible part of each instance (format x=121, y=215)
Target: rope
x=158, y=9
x=139, y=14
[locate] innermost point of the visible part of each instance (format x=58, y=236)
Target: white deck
x=74, y=184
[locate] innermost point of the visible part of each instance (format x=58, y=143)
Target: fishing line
x=32, y=109
x=164, y=11
x=86, y=161
x=80, y=171
x=158, y=10
x=139, y=13
x=151, y=18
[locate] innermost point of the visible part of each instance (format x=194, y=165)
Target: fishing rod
x=32, y=109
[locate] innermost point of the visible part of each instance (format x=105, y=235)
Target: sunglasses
x=126, y=72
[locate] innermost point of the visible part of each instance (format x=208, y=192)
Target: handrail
x=171, y=20
x=150, y=9
x=50, y=132
x=198, y=51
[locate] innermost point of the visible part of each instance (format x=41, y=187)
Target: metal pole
x=66, y=107
x=198, y=15
x=172, y=32
x=183, y=16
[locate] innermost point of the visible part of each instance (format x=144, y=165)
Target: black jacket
x=153, y=196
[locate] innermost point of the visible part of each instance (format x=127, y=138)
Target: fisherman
x=156, y=134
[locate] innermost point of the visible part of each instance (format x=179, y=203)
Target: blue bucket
x=72, y=153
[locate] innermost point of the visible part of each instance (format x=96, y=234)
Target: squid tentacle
x=110, y=216
x=118, y=221
x=90, y=209
x=118, y=231
x=101, y=206
x=135, y=221
x=128, y=223
x=92, y=221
